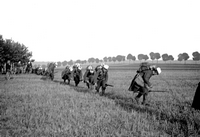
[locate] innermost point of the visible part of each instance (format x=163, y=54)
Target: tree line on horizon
x=15, y=52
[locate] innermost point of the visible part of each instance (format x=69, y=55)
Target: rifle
x=109, y=85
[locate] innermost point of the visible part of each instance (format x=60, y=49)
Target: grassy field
x=33, y=106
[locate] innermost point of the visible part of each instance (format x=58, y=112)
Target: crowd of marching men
x=95, y=77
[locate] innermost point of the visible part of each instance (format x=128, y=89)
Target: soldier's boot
x=103, y=92
x=137, y=100
x=88, y=85
x=68, y=82
x=138, y=97
x=144, y=102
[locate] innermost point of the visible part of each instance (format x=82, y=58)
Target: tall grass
x=31, y=106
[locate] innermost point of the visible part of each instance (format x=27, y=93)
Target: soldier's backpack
x=143, y=66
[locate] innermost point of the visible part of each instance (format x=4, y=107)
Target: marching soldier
x=88, y=77
x=8, y=70
x=141, y=82
x=77, y=73
x=66, y=74
x=101, y=78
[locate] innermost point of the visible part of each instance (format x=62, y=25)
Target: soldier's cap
x=89, y=67
x=105, y=66
x=79, y=67
x=158, y=70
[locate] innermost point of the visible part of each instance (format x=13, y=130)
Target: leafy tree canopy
x=14, y=51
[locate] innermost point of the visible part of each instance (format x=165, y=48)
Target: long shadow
x=72, y=86
x=128, y=104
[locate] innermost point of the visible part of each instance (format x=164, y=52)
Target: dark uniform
x=141, y=83
x=66, y=74
x=8, y=70
x=88, y=77
x=77, y=74
x=101, y=78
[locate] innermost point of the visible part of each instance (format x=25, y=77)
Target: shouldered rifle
x=109, y=85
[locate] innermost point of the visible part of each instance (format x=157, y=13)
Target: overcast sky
x=58, y=30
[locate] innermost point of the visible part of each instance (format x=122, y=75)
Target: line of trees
x=13, y=51
x=120, y=58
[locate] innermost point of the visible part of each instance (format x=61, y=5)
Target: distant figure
x=195, y=103
x=8, y=70
x=29, y=67
x=50, y=70
x=1, y=68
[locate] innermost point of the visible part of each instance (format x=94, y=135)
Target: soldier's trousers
x=143, y=91
x=101, y=84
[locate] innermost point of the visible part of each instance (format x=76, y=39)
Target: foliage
x=64, y=63
x=165, y=57
x=170, y=57
x=114, y=59
x=59, y=63
x=120, y=58
x=196, y=56
x=152, y=56
x=131, y=57
x=183, y=56
x=97, y=60
x=109, y=59
x=105, y=59
x=91, y=60
x=157, y=56
x=13, y=51
x=142, y=56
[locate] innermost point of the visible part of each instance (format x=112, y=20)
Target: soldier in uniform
x=101, y=78
x=141, y=82
x=88, y=77
x=8, y=70
x=77, y=73
x=66, y=74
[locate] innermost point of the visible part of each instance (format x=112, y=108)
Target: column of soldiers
x=97, y=78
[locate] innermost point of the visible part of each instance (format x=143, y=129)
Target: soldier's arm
x=96, y=74
x=146, y=78
x=106, y=78
x=85, y=75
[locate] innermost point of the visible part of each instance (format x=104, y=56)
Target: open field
x=33, y=106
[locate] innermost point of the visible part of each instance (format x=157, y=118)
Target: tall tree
x=157, y=56
x=140, y=57
x=64, y=63
x=165, y=57
x=171, y=58
x=91, y=60
x=114, y=59
x=97, y=60
x=14, y=51
x=109, y=59
x=59, y=63
x=196, y=56
x=184, y=56
x=145, y=57
x=105, y=59
x=152, y=56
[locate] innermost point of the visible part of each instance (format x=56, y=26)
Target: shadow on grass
x=182, y=117
x=72, y=86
